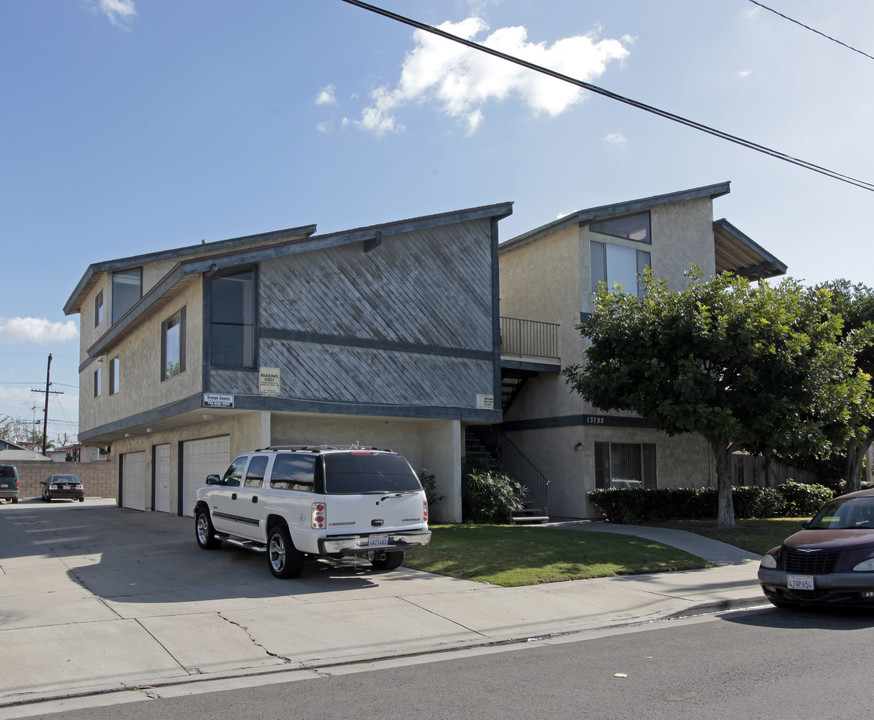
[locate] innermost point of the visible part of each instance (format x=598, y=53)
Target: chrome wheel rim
x=277, y=553
x=202, y=529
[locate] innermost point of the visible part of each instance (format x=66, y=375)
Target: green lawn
x=510, y=555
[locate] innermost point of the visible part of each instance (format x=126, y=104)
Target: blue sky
x=130, y=126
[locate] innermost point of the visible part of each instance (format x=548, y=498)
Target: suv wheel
x=203, y=530
x=388, y=561
x=286, y=561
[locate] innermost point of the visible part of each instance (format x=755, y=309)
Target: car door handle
x=233, y=496
x=254, y=498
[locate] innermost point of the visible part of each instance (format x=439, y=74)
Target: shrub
x=804, y=500
x=488, y=496
x=429, y=485
x=756, y=502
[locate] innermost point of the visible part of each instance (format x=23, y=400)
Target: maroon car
x=831, y=561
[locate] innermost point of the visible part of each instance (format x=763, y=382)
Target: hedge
x=637, y=505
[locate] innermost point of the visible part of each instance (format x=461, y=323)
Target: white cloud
x=326, y=96
x=120, y=12
x=38, y=330
x=463, y=80
x=615, y=139
x=744, y=74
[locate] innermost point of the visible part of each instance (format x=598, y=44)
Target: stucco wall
x=99, y=478
x=139, y=353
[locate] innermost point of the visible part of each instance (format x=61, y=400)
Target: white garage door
x=133, y=480
x=210, y=456
x=162, y=478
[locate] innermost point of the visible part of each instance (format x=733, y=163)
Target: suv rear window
x=7, y=471
x=355, y=473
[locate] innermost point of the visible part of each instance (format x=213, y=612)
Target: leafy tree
x=855, y=303
x=762, y=368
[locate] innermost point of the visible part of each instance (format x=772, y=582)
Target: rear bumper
x=7, y=494
x=360, y=544
x=65, y=494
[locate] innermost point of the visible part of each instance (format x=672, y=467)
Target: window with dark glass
x=232, y=323
x=614, y=264
x=173, y=345
x=98, y=379
x=127, y=289
x=114, y=376
x=98, y=309
x=631, y=227
x=625, y=465
x=255, y=471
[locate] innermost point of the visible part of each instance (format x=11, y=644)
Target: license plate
x=378, y=541
x=799, y=582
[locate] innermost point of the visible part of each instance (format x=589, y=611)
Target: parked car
x=62, y=486
x=9, y=483
x=329, y=502
x=830, y=562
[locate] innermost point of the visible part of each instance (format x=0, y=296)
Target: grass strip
x=512, y=555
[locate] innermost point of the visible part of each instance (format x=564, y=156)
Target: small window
x=631, y=227
x=127, y=289
x=625, y=465
x=114, y=376
x=234, y=473
x=98, y=309
x=255, y=471
x=293, y=472
x=98, y=380
x=617, y=264
x=173, y=345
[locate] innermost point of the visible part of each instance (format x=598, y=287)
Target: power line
x=614, y=96
x=813, y=30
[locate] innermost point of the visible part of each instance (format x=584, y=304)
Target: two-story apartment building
x=384, y=336
x=551, y=273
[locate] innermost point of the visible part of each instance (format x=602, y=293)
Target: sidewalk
x=96, y=599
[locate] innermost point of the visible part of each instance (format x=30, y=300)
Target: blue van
x=9, y=483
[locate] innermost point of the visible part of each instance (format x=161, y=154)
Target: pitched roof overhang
x=582, y=217
x=737, y=253
x=186, y=271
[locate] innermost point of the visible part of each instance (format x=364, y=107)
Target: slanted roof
x=191, y=251
x=624, y=208
x=184, y=271
x=739, y=254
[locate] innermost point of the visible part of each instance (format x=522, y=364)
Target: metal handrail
x=516, y=463
x=529, y=338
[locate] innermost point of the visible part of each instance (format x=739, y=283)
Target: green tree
x=855, y=303
x=762, y=368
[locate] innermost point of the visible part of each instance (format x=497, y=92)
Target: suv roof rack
x=320, y=448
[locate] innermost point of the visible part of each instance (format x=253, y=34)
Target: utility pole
x=45, y=422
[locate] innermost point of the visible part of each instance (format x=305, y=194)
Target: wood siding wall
x=408, y=323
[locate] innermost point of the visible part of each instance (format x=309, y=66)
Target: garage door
x=162, y=477
x=201, y=458
x=133, y=480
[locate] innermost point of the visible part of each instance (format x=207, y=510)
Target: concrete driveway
x=95, y=598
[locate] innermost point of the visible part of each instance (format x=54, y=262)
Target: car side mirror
x=213, y=480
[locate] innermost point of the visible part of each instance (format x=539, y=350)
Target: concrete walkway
x=96, y=599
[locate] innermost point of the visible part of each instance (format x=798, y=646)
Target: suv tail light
x=425, y=509
x=319, y=515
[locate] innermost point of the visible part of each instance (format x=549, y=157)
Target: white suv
x=315, y=501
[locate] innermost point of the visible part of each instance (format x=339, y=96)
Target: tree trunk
x=722, y=455
x=855, y=455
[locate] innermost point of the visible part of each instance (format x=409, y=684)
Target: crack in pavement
x=286, y=660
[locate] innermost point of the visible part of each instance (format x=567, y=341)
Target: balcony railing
x=529, y=338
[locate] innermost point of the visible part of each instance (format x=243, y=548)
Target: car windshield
x=365, y=472
x=843, y=514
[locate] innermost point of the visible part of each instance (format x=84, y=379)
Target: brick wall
x=99, y=478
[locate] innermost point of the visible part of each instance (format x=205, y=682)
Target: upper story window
x=98, y=381
x=232, y=326
x=613, y=264
x=173, y=345
x=127, y=289
x=631, y=227
x=114, y=376
x=98, y=309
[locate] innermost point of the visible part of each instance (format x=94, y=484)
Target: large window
x=173, y=345
x=614, y=264
x=625, y=465
x=127, y=289
x=114, y=376
x=631, y=227
x=232, y=327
